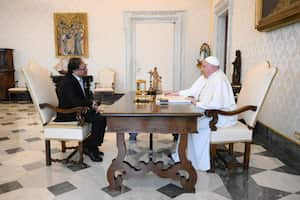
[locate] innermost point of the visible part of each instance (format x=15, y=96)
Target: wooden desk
x=126, y=116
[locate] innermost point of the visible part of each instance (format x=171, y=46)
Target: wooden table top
x=127, y=107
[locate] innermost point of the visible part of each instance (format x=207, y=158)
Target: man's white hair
x=213, y=61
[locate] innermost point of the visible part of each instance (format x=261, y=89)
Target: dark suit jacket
x=70, y=95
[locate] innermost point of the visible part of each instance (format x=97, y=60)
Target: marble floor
x=23, y=174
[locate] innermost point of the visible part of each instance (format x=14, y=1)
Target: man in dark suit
x=71, y=93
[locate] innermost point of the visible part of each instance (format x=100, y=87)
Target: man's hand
x=171, y=93
x=95, y=105
x=193, y=100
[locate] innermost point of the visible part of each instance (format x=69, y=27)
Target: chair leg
x=247, y=155
x=48, y=152
x=213, y=153
x=63, y=146
x=80, y=148
x=231, y=148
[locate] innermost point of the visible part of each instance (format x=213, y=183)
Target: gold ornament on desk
x=141, y=87
x=146, y=96
x=155, y=82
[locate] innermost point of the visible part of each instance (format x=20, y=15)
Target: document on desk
x=162, y=99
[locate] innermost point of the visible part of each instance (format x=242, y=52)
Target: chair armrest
x=215, y=112
x=97, y=84
x=78, y=110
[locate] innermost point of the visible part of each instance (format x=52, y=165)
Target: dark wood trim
x=63, y=146
x=247, y=155
x=215, y=112
x=48, y=152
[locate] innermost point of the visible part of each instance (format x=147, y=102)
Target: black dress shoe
x=93, y=155
x=100, y=153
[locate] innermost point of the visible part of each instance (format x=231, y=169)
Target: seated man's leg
x=132, y=137
x=97, y=133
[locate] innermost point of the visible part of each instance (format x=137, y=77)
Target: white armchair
x=254, y=90
x=42, y=91
x=106, y=81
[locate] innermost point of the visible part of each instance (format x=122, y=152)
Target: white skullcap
x=212, y=60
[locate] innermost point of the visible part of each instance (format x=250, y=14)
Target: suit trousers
x=98, y=129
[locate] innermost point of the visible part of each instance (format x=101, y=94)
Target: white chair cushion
x=18, y=89
x=103, y=90
x=66, y=131
x=238, y=132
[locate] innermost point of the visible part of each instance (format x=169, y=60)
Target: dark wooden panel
x=7, y=71
x=182, y=125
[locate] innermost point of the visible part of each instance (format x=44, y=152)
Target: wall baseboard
x=286, y=150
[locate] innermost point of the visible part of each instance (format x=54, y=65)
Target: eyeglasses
x=83, y=65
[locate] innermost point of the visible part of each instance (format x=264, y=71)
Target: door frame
x=220, y=10
x=131, y=18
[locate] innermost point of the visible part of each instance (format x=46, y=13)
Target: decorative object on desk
x=61, y=66
x=141, y=87
x=204, y=52
x=237, y=64
x=71, y=34
x=155, y=86
x=144, y=98
x=275, y=14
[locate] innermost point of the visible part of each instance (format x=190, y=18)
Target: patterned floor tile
x=223, y=192
x=77, y=167
x=29, y=170
x=171, y=190
x=10, y=186
x=113, y=193
x=18, y=130
x=287, y=169
x=4, y=138
x=33, y=166
x=33, y=139
x=14, y=150
x=278, y=180
x=7, y=123
x=263, y=162
x=291, y=197
x=61, y=188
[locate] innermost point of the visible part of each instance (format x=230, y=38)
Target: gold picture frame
x=71, y=34
x=271, y=15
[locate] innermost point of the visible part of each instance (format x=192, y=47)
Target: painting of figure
x=71, y=34
x=273, y=14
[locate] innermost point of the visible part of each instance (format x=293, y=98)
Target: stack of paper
x=162, y=99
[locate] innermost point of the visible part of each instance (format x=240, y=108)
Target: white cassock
x=214, y=92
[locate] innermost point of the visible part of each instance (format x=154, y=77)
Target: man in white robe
x=212, y=90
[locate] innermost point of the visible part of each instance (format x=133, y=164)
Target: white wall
x=281, y=110
x=27, y=26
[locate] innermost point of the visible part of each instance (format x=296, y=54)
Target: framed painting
x=272, y=14
x=71, y=34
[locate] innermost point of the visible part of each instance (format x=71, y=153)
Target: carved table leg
x=115, y=183
x=188, y=184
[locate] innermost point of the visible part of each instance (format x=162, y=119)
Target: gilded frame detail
x=271, y=15
x=71, y=34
